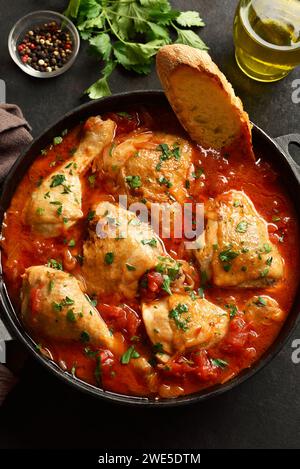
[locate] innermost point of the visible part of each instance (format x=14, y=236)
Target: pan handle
x=284, y=142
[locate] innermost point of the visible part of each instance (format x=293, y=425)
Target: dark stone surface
x=43, y=412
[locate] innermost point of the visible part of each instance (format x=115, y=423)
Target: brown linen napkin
x=14, y=136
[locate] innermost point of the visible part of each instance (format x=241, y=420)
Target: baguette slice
x=202, y=98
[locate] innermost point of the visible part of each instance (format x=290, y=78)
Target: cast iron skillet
x=274, y=150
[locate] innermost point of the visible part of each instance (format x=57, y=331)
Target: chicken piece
x=55, y=307
x=237, y=250
x=150, y=165
x=178, y=323
x=120, y=249
x=263, y=310
x=56, y=204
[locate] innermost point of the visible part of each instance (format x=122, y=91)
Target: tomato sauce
x=216, y=173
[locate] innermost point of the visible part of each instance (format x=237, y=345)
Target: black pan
x=276, y=150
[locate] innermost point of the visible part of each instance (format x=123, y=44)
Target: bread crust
x=172, y=58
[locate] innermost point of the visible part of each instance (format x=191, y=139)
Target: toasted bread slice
x=202, y=98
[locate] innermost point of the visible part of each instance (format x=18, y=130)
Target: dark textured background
x=42, y=412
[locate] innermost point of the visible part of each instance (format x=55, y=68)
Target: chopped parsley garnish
x=232, y=310
x=151, y=242
x=158, y=348
x=40, y=211
x=92, y=301
x=57, y=180
x=265, y=272
x=71, y=243
x=65, y=302
x=124, y=114
x=129, y=354
x=168, y=266
x=236, y=203
x=164, y=182
x=276, y=218
x=92, y=180
x=176, y=313
x=72, y=151
x=130, y=267
x=55, y=264
x=111, y=149
x=219, y=362
x=73, y=369
x=84, y=337
x=167, y=153
x=109, y=258
x=55, y=202
x=260, y=301
x=193, y=295
x=166, y=284
x=134, y=182
x=226, y=257
x=57, y=140
x=198, y=173
x=267, y=248
x=269, y=261
x=91, y=215
x=242, y=227
x=71, y=316
x=90, y=353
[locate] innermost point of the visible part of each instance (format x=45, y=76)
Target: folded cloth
x=7, y=381
x=14, y=136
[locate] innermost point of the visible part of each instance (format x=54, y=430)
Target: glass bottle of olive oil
x=267, y=38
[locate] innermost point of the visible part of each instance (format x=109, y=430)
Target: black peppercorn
x=46, y=47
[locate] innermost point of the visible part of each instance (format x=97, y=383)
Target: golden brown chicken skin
x=150, y=166
x=237, y=251
x=179, y=323
x=119, y=250
x=54, y=306
x=263, y=310
x=56, y=204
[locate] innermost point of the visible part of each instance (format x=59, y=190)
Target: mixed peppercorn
x=46, y=47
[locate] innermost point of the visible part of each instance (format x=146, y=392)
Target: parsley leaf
x=176, y=315
x=219, y=362
x=129, y=33
x=57, y=180
x=190, y=38
x=134, y=182
x=109, y=258
x=129, y=354
x=190, y=18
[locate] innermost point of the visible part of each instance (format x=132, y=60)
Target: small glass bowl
x=30, y=21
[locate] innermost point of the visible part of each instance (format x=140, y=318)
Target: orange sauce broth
x=219, y=173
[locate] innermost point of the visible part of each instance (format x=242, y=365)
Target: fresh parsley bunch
x=130, y=32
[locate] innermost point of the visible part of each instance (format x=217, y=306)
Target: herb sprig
x=130, y=32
